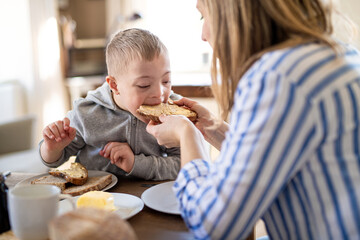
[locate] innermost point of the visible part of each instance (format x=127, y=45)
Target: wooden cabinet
x=86, y=60
x=83, y=31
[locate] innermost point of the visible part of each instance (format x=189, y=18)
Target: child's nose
x=159, y=92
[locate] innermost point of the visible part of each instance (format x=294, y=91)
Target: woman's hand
x=178, y=131
x=212, y=129
x=205, y=118
x=119, y=154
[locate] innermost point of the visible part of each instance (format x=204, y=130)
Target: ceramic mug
x=31, y=208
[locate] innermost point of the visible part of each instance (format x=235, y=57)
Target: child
x=104, y=130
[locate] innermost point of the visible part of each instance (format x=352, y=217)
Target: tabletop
x=148, y=223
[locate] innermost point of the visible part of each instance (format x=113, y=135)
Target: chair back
x=17, y=134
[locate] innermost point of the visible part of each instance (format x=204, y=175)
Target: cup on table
x=31, y=208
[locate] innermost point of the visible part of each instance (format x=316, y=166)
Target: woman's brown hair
x=244, y=30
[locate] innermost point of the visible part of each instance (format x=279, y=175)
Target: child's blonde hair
x=128, y=45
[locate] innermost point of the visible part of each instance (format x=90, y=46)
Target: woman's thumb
x=162, y=118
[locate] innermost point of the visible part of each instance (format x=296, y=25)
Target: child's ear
x=112, y=83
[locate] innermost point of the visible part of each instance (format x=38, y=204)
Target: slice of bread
x=90, y=224
x=51, y=180
x=92, y=184
x=77, y=174
x=155, y=111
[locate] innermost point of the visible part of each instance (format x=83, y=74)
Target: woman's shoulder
x=281, y=58
x=302, y=57
x=313, y=69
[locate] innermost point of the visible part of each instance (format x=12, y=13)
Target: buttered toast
x=74, y=180
x=96, y=183
x=155, y=111
x=77, y=174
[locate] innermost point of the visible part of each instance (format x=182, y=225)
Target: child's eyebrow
x=168, y=72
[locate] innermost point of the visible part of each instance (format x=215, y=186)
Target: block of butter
x=97, y=199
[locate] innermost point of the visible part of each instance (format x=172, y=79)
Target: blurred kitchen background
x=52, y=51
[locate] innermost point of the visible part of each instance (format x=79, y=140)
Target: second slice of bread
x=92, y=184
x=51, y=180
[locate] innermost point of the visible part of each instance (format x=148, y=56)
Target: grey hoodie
x=97, y=121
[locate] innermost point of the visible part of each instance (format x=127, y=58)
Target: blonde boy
x=104, y=130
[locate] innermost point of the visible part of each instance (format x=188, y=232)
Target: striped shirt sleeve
x=226, y=198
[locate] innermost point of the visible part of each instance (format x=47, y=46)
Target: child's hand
x=58, y=135
x=119, y=154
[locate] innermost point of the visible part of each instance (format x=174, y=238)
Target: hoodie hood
x=102, y=96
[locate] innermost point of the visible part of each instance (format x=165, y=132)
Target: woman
x=291, y=152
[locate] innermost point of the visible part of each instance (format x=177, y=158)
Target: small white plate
x=127, y=205
x=161, y=198
x=91, y=173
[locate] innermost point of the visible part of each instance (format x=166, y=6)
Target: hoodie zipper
x=133, y=134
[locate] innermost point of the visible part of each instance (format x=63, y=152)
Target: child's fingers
x=113, y=159
x=66, y=123
x=60, y=126
x=54, y=128
x=105, y=151
x=48, y=134
x=72, y=132
x=116, y=161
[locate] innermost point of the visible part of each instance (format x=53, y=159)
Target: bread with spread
x=153, y=112
x=74, y=180
x=77, y=174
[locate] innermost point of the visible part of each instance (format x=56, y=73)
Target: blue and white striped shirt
x=291, y=155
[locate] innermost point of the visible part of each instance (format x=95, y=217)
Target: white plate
x=161, y=198
x=91, y=173
x=127, y=205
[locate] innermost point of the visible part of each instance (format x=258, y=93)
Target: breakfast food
x=92, y=184
x=51, y=180
x=96, y=199
x=77, y=174
x=155, y=111
x=90, y=224
x=74, y=180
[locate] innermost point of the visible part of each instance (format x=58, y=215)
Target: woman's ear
x=112, y=84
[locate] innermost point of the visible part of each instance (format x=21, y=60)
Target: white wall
x=351, y=9
x=29, y=50
x=15, y=57
x=15, y=41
